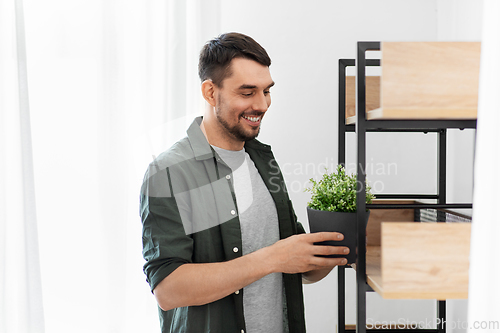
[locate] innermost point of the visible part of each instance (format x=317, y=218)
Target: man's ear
x=208, y=91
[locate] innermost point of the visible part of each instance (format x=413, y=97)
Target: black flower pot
x=345, y=223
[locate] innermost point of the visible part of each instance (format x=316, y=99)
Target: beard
x=237, y=131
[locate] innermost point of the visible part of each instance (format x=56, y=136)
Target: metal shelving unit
x=360, y=128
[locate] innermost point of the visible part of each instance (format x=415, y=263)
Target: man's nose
x=260, y=103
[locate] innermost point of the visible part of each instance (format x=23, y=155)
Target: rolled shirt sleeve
x=166, y=246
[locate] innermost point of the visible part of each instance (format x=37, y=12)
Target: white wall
x=305, y=41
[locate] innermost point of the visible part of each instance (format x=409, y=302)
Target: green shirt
x=189, y=215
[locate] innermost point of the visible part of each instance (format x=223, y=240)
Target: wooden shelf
x=372, y=84
x=425, y=80
x=373, y=269
x=420, y=261
x=422, y=113
x=373, y=227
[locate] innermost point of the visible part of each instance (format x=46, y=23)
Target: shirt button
x=228, y=177
x=237, y=292
x=235, y=249
x=242, y=331
x=233, y=212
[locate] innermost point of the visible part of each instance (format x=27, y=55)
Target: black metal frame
x=361, y=127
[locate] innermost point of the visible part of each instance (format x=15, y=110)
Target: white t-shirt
x=263, y=299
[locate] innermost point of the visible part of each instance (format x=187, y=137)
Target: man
x=224, y=250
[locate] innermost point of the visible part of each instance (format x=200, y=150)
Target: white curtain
x=21, y=308
x=484, y=273
x=112, y=84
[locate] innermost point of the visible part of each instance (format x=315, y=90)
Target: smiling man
x=240, y=103
x=224, y=251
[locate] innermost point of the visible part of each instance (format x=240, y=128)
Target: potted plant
x=333, y=208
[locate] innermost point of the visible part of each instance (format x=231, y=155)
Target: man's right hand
x=298, y=254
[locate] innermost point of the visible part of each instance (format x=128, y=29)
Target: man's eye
x=266, y=92
x=247, y=94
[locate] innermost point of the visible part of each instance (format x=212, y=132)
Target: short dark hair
x=216, y=55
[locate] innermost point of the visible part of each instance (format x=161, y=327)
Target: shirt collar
x=257, y=145
x=198, y=141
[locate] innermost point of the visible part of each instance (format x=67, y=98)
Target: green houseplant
x=333, y=207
